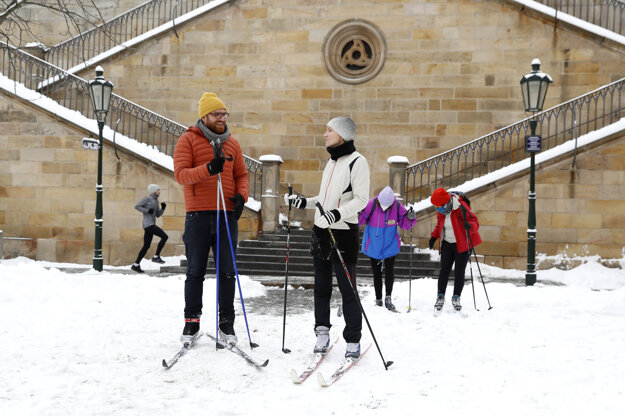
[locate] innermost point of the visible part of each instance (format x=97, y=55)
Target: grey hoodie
x=144, y=206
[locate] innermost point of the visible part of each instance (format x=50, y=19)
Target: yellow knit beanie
x=209, y=103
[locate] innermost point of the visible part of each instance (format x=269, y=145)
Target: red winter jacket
x=457, y=222
x=193, y=151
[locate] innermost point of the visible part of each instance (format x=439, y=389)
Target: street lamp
x=100, y=92
x=534, y=88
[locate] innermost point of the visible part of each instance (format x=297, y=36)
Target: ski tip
x=265, y=363
x=295, y=378
x=321, y=380
x=165, y=364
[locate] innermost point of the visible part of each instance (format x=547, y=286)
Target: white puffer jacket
x=344, y=188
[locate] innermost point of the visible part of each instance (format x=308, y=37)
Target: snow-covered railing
x=557, y=125
x=608, y=14
x=127, y=26
x=125, y=117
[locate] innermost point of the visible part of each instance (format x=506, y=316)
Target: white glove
x=330, y=217
x=296, y=200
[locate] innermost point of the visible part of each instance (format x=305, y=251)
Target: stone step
x=280, y=251
x=267, y=256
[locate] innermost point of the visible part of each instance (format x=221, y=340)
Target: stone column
x=397, y=165
x=270, y=202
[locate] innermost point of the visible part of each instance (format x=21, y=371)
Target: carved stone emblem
x=354, y=51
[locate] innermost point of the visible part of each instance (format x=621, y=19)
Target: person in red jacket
x=202, y=154
x=457, y=228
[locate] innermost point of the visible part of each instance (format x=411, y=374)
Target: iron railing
x=506, y=146
x=608, y=14
x=118, y=30
x=126, y=117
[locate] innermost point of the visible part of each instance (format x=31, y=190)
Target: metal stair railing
x=506, y=146
x=118, y=30
x=608, y=14
x=126, y=117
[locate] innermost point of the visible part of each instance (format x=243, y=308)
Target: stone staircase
x=266, y=257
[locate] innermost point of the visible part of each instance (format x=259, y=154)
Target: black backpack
x=462, y=195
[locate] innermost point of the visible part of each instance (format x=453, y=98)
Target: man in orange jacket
x=202, y=154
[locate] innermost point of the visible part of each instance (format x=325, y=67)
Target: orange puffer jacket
x=193, y=151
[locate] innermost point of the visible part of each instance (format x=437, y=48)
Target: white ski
x=185, y=348
x=299, y=379
x=343, y=368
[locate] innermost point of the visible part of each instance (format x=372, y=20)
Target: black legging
x=389, y=275
x=449, y=256
x=149, y=232
x=323, y=292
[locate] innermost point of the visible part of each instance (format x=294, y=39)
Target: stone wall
x=47, y=194
x=50, y=28
x=451, y=74
x=580, y=209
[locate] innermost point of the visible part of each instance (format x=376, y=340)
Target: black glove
x=467, y=226
x=327, y=219
x=216, y=165
x=239, y=202
x=163, y=205
x=431, y=243
x=151, y=211
x=411, y=214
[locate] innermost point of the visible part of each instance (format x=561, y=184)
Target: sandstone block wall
x=451, y=74
x=580, y=209
x=47, y=194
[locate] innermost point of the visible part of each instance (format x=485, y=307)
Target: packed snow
x=79, y=342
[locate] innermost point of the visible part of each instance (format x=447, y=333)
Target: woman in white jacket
x=343, y=193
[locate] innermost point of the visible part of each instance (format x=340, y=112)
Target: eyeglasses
x=219, y=115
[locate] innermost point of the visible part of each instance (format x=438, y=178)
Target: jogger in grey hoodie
x=150, y=208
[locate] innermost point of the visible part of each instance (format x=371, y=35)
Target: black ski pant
x=199, y=237
x=148, y=234
x=323, y=293
x=387, y=266
x=449, y=256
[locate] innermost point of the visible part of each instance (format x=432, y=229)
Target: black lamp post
x=534, y=88
x=100, y=92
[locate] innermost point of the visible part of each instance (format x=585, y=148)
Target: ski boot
x=440, y=301
x=226, y=333
x=191, y=328
x=323, y=340
x=455, y=301
x=353, y=350
x=378, y=302
x=389, y=304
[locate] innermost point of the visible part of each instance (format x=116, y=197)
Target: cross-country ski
x=341, y=370
x=314, y=364
x=185, y=348
x=238, y=351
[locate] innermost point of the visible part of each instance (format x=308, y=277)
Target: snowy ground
x=91, y=343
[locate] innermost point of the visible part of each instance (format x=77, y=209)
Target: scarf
x=211, y=135
x=341, y=150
